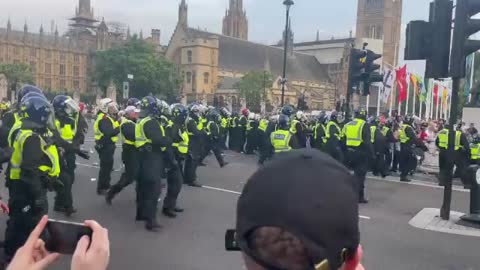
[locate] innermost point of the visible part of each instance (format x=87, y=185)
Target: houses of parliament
x=210, y=64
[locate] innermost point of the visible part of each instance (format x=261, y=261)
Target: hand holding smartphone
x=62, y=236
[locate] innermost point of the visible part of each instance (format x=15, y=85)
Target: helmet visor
x=71, y=107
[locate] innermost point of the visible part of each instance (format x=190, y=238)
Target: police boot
x=361, y=198
x=109, y=196
x=153, y=225
x=169, y=213
x=70, y=211
x=405, y=179
x=224, y=164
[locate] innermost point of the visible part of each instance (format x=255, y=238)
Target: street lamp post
x=288, y=4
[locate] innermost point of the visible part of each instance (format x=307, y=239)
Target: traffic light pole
x=447, y=193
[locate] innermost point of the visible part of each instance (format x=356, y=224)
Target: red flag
x=435, y=94
x=402, y=83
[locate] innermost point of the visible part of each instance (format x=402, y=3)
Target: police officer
x=152, y=143
x=281, y=138
x=35, y=166
x=475, y=150
x=408, y=139
x=224, y=126
x=106, y=130
x=67, y=114
x=252, y=134
x=446, y=160
x=298, y=129
x=318, y=141
x=180, y=142
x=213, y=133
x=232, y=132
x=266, y=128
x=333, y=137
x=380, y=147
x=130, y=156
x=359, y=149
x=196, y=133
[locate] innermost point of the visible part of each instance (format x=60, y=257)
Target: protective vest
x=249, y=125
x=17, y=156
x=403, y=133
x=475, y=151
x=125, y=140
x=293, y=127
x=353, y=132
x=96, y=130
x=315, y=132
x=373, y=129
x=209, y=130
x=233, y=122
x=67, y=132
x=140, y=137
x=224, y=122
x=263, y=125
x=281, y=140
x=443, y=139
x=327, y=130
x=182, y=146
x=385, y=131
x=240, y=121
x=16, y=126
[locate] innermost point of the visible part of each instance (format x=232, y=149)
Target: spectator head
x=291, y=215
x=472, y=125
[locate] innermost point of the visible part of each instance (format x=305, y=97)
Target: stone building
x=211, y=64
x=381, y=20
x=235, y=22
x=63, y=62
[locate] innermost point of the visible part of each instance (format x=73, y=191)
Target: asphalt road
x=195, y=240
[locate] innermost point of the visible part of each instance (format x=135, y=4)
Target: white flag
x=388, y=80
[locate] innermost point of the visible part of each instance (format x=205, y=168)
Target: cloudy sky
x=266, y=17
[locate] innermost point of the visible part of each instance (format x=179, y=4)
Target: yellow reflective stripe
x=17, y=155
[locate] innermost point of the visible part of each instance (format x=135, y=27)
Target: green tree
x=152, y=72
x=253, y=87
x=16, y=74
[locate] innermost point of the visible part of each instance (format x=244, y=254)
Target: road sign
x=126, y=90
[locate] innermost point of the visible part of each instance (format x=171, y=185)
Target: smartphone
x=62, y=236
x=231, y=243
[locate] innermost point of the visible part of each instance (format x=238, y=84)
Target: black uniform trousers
x=64, y=197
x=130, y=158
x=407, y=160
x=216, y=147
x=193, y=158
x=24, y=215
x=447, y=163
x=149, y=184
x=105, y=153
x=174, y=184
x=333, y=149
x=358, y=159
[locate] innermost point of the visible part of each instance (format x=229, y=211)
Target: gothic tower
x=83, y=15
x=235, y=22
x=381, y=19
x=183, y=14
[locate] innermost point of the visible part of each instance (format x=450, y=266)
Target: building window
x=48, y=83
x=206, y=77
x=48, y=68
x=17, y=51
x=189, y=77
x=33, y=67
x=62, y=84
x=76, y=85
x=62, y=69
x=76, y=58
x=189, y=56
x=49, y=54
x=33, y=52
x=76, y=71
x=62, y=57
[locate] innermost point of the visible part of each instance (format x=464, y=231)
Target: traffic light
x=371, y=74
x=465, y=26
x=356, y=69
x=431, y=40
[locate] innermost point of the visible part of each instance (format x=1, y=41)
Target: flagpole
x=414, y=100
x=408, y=93
x=368, y=103
x=391, y=100
x=378, y=101
x=432, y=100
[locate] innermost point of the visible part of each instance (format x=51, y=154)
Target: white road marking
x=418, y=183
x=238, y=193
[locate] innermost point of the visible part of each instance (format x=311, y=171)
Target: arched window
x=189, y=77
x=189, y=56
x=206, y=77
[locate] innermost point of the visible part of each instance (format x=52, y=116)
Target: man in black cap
x=302, y=224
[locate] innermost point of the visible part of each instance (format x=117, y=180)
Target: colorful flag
x=414, y=83
x=388, y=79
x=401, y=75
x=423, y=90
x=435, y=92
x=445, y=96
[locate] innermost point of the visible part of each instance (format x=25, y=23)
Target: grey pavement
x=195, y=240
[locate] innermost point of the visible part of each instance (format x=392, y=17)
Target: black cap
x=308, y=194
